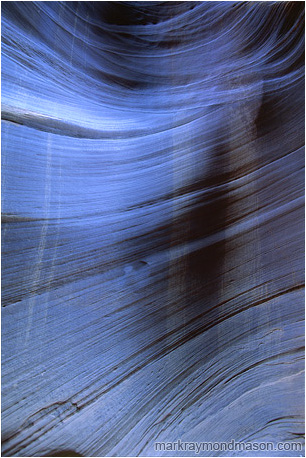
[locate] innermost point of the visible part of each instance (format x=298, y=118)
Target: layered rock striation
x=153, y=192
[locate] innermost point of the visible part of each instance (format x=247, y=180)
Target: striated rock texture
x=152, y=187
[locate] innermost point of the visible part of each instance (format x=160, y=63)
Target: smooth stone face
x=153, y=224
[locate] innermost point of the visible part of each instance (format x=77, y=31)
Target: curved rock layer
x=153, y=226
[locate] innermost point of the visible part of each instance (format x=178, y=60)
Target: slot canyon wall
x=152, y=226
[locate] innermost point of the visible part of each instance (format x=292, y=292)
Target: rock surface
x=152, y=186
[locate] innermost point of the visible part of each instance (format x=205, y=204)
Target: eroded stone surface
x=152, y=192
